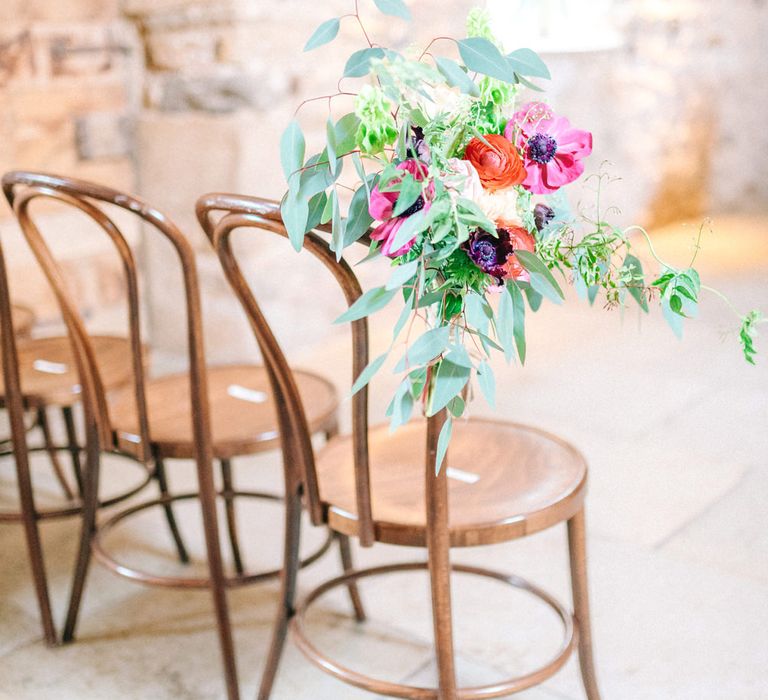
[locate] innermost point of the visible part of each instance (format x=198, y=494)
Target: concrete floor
x=676, y=436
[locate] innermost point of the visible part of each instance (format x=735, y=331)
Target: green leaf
x=394, y=8
x=405, y=314
x=635, y=267
x=443, y=440
x=292, y=146
x=412, y=227
x=541, y=278
x=528, y=62
x=449, y=380
x=358, y=218
x=401, y=406
x=367, y=374
x=326, y=32
x=359, y=63
x=487, y=383
x=346, y=133
x=505, y=326
x=325, y=217
x=401, y=274
x=358, y=163
x=316, y=207
x=315, y=178
x=330, y=137
x=482, y=56
x=410, y=191
x=674, y=320
x=472, y=214
x=459, y=356
x=425, y=349
x=338, y=226
x=527, y=83
x=372, y=301
x=478, y=312
x=295, y=213
x=455, y=76
x=518, y=314
x=533, y=297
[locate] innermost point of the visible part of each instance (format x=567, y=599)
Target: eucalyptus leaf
x=402, y=406
x=425, y=349
x=505, y=326
x=358, y=218
x=405, y=314
x=367, y=374
x=373, y=300
x=359, y=63
x=345, y=133
x=487, y=383
x=330, y=137
x=326, y=32
x=541, y=278
x=533, y=297
x=528, y=62
x=482, y=56
x=634, y=265
x=527, y=83
x=401, y=274
x=410, y=191
x=295, y=213
x=518, y=314
x=456, y=77
x=292, y=147
x=411, y=228
x=449, y=380
x=316, y=207
x=394, y=8
x=338, y=226
x=443, y=440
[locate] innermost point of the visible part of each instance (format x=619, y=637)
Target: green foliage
x=325, y=33
x=395, y=8
x=748, y=333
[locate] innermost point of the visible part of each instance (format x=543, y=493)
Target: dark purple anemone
x=490, y=253
x=542, y=216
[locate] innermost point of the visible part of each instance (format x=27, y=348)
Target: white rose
x=501, y=204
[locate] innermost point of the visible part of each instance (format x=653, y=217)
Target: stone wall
x=178, y=97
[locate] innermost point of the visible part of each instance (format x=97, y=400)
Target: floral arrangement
x=459, y=181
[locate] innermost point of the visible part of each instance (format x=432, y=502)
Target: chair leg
x=218, y=581
x=229, y=504
x=332, y=431
x=438, y=544
x=287, y=591
x=346, y=562
x=578, y=557
x=162, y=483
x=73, y=446
x=34, y=545
x=50, y=448
x=90, y=507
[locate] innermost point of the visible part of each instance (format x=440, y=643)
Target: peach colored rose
x=497, y=162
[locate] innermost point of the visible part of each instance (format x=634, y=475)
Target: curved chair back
x=240, y=212
x=21, y=190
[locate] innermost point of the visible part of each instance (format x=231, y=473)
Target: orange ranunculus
x=520, y=239
x=497, y=162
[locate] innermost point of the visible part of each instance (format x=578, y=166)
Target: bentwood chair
x=205, y=414
x=382, y=487
x=38, y=374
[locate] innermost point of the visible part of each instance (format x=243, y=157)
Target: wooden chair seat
x=505, y=481
x=242, y=410
x=49, y=375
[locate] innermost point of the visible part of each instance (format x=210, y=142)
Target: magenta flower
x=382, y=206
x=552, y=149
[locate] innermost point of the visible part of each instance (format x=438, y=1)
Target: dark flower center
x=484, y=253
x=418, y=205
x=542, y=148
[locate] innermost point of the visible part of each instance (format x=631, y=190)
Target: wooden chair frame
x=21, y=188
x=249, y=212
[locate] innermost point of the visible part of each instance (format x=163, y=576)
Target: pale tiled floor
x=676, y=436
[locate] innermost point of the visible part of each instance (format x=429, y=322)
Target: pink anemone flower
x=382, y=206
x=552, y=149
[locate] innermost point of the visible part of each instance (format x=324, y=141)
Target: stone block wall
x=176, y=97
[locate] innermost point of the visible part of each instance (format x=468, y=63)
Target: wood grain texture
x=239, y=426
x=527, y=480
x=48, y=388
x=23, y=321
